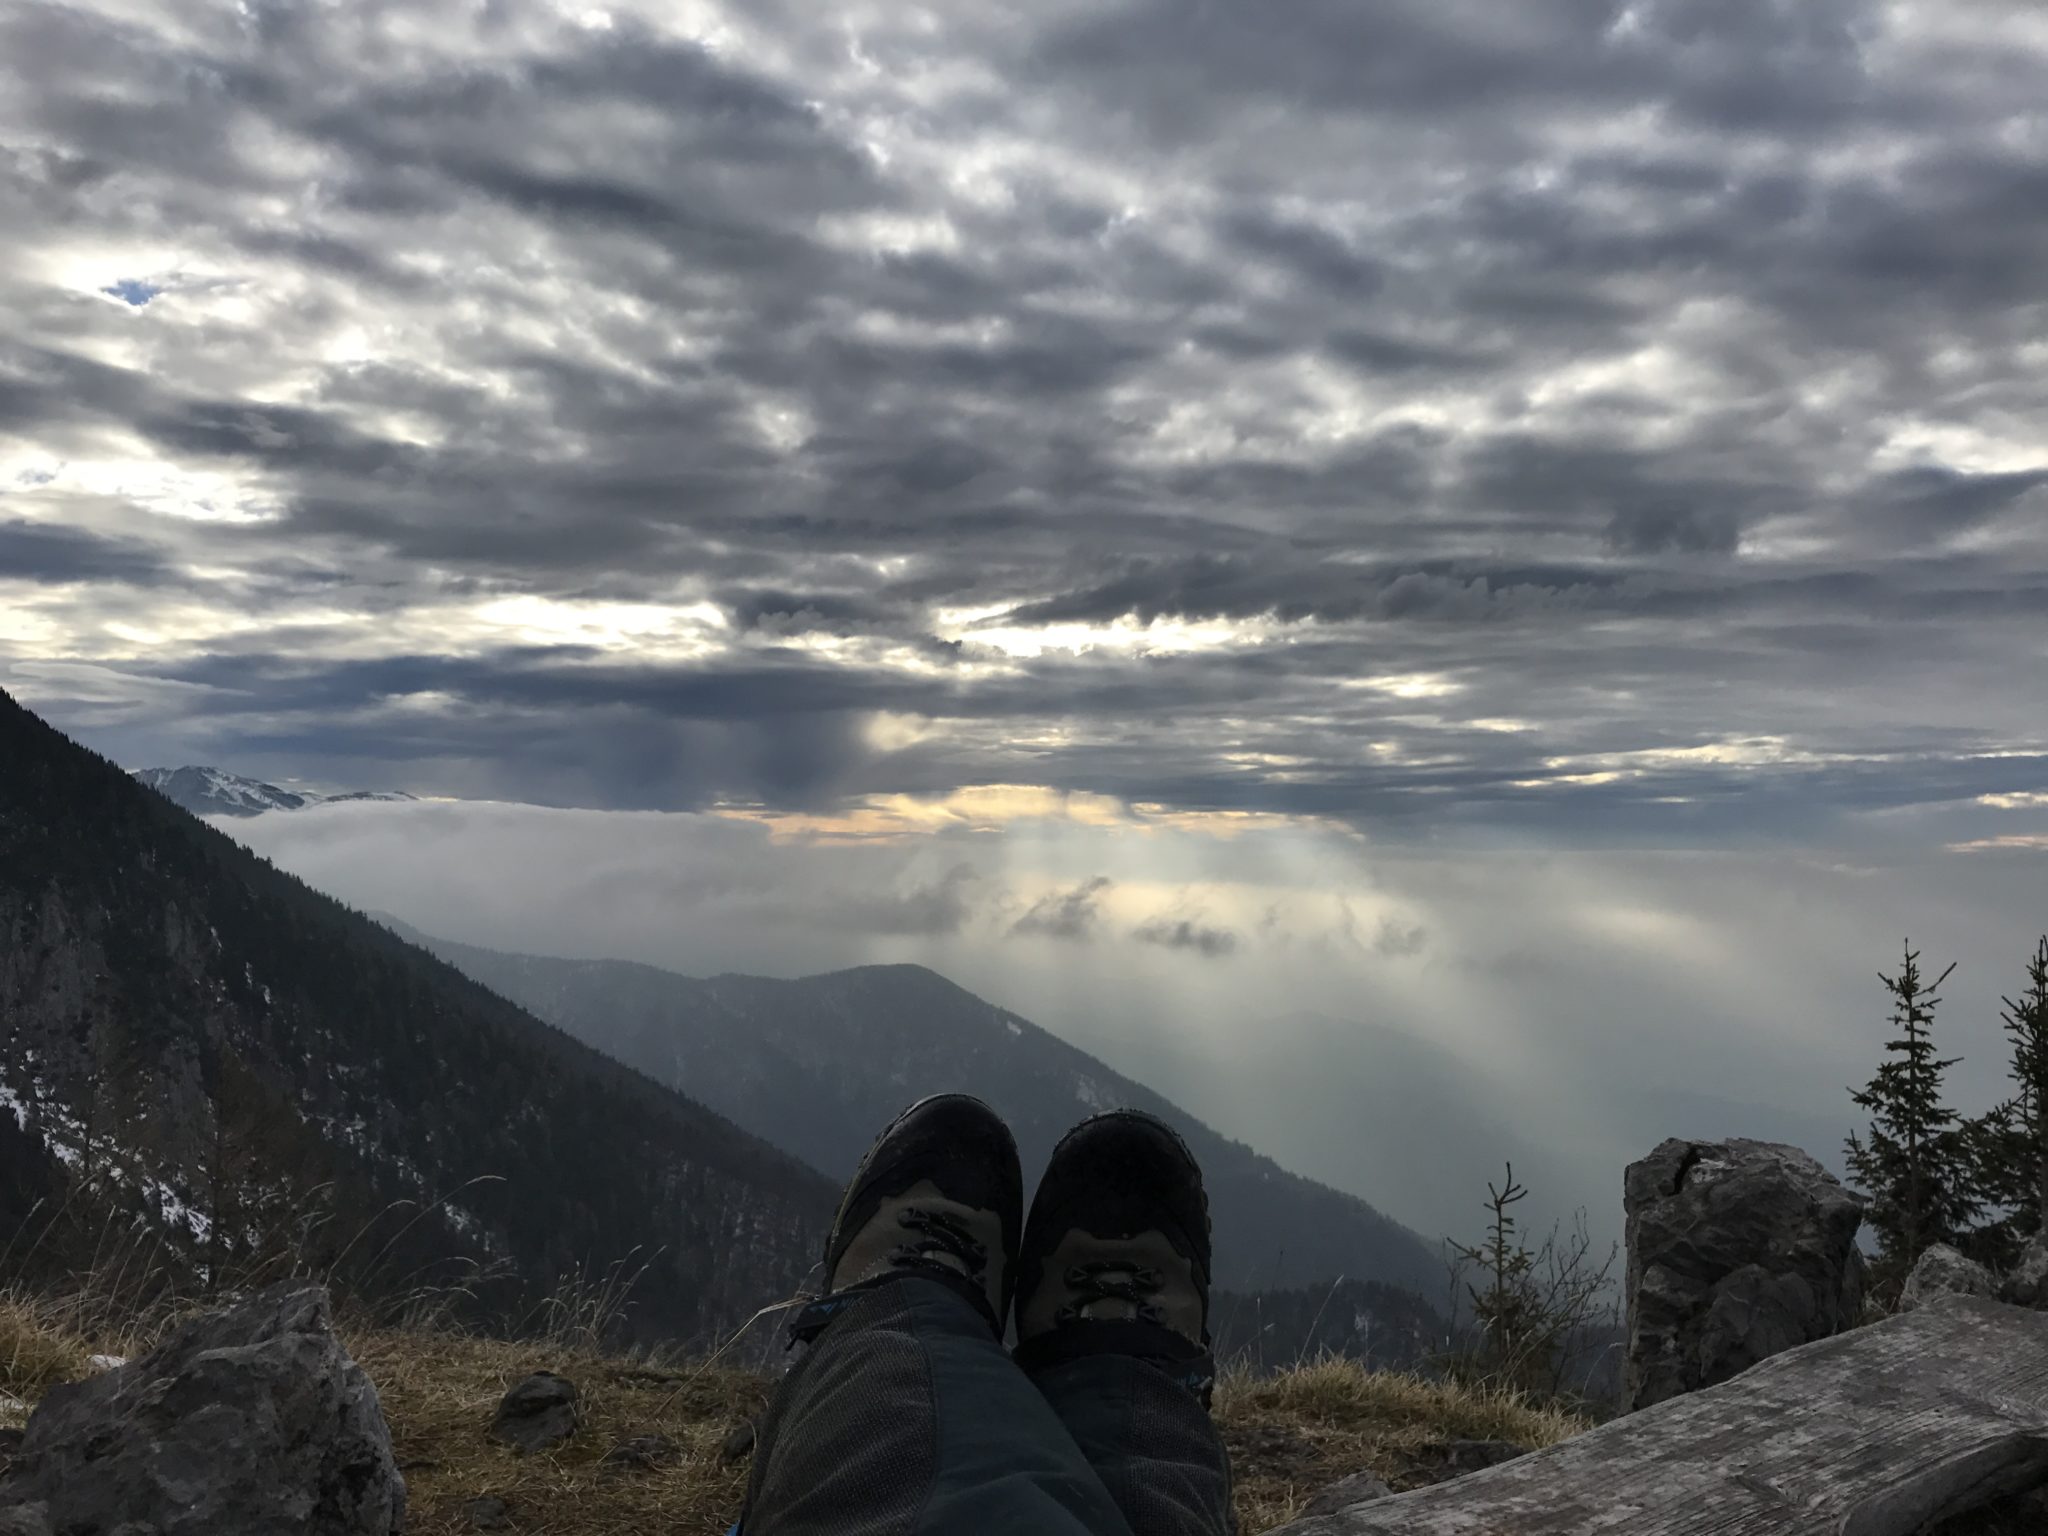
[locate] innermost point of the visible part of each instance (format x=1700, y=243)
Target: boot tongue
x=927, y=1228
x=943, y=1238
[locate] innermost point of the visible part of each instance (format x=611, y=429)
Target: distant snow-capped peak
x=213, y=792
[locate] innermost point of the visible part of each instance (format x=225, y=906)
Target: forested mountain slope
x=192, y=1038
x=817, y=1065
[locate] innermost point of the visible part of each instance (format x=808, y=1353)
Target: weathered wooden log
x=1878, y=1432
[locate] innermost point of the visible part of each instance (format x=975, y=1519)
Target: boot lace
x=942, y=1243
x=1133, y=1285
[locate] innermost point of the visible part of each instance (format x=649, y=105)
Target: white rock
x=1942, y=1271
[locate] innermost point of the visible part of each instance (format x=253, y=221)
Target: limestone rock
x=252, y=1419
x=2027, y=1284
x=541, y=1411
x=1737, y=1250
x=1941, y=1271
x=1359, y=1488
x=489, y=1513
x=643, y=1453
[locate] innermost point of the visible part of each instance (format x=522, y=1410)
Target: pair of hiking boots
x=1114, y=1257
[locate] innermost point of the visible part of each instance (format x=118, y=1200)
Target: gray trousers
x=908, y=1418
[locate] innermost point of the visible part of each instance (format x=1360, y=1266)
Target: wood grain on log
x=1878, y=1432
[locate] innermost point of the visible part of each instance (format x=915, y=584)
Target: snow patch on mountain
x=10, y=1100
x=208, y=791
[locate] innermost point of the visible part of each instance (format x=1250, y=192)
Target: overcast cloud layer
x=1608, y=419
x=1390, y=492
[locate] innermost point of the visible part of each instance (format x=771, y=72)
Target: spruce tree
x=2012, y=1141
x=2026, y=1022
x=1917, y=1165
x=1504, y=1307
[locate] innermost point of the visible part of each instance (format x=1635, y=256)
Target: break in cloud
x=1581, y=420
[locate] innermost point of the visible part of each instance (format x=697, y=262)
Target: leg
x=908, y=1419
x=1149, y=1439
x=1113, y=1320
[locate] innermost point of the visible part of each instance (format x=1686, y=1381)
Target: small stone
x=489, y=1513
x=1441, y=1460
x=1942, y=1271
x=541, y=1411
x=643, y=1452
x=1359, y=1488
x=738, y=1444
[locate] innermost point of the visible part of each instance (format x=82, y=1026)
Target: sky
x=1267, y=538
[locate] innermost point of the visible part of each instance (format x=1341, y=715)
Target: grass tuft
x=1296, y=1431
x=1290, y=1433
x=37, y=1351
x=440, y=1391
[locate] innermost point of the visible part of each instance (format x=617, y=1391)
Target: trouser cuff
x=1187, y=1363
x=816, y=1316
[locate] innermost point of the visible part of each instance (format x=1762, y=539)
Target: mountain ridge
x=815, y=1064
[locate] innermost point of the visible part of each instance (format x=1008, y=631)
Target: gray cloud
x=1072, y=915
x=1399, y=940
x=56, y=556
x=1186, y=934
x=940, y=907
x=1603, y=422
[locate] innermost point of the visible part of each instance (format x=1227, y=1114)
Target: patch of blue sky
x=132, y=290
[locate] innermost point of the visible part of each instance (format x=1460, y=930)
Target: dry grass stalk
x=36, y=1352
x=1291, y=1433
x=1296, y=1431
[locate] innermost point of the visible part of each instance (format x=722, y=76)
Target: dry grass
x=1293, y=1433
x=439, y=1392
x=37, y=1350
x=1290, y=1434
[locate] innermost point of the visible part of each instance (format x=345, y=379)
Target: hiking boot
x=939, y=1194
x=1116, y=1252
